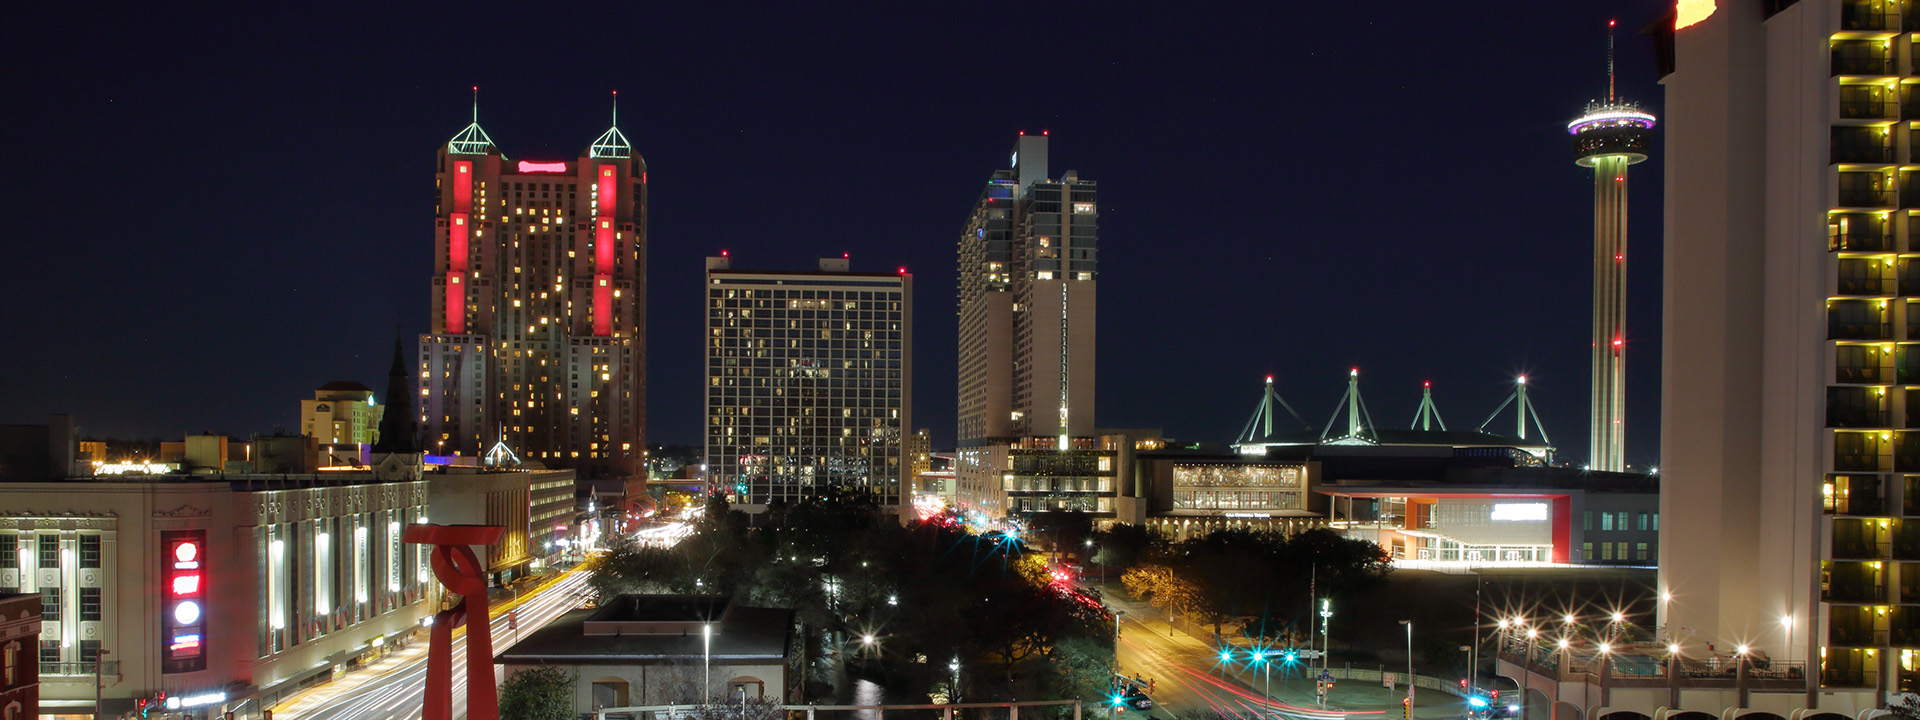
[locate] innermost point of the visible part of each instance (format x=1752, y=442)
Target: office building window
x=49, y=651
x=49, y=546
x=50, y=603
x=1656, y=521
x=89, y=650
x=1639, y=551
x=1606, y=550
x=89, y=551
x=1621, y=552
x=1606, y=521
x=90, y=602
x=1586, y=520
x=10, y=550
x=1621, y=521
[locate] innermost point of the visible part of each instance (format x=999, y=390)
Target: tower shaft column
x=1607, y=441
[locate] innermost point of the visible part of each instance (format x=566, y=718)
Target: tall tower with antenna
x=1610, y=136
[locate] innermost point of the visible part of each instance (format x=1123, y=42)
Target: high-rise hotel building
x=539, y=322
x=809, y=382
x=1790, y=416
x=1027, y=282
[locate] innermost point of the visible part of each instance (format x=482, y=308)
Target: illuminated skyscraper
x=809, y=382
x=1610, y=136
x=1790, y=411
x=1027, y=298
x=539, y=322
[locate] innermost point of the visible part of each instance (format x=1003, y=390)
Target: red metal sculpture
x=460, y=571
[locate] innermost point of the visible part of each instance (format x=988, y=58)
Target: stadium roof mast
x=1428, y=415
x=1262, y=420
x=1358, y=419
x=1522, y=407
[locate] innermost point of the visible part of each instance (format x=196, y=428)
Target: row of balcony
x=1878, y=16
x=1868, y=496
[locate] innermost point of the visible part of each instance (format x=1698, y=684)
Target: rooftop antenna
x=1428, y=415
x=1610, y=24
x=476, y=103
x=616, y=93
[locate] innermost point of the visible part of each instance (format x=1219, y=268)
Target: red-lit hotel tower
x=539, y=326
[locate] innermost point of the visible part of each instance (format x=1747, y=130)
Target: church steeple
x=398, y=427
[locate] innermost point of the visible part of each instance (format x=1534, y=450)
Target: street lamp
x=1266, y=675
x=99, y=664
x=1409, y=624
x=706, y=693
x=1116, y=640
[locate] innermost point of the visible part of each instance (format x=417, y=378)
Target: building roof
x=746, y=636
x=344, y=386
x=1395, y=436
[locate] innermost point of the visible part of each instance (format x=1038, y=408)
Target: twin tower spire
x=474, y=141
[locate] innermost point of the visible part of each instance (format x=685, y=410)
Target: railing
x=1858, y=240
x=1870, y=285
x=76, y=669
x=1856, y=594
x=1866, y=17
x=1856, y=197
x=1648, y=667
x=1869, y=110
x=1861, y=154
x=1861, y=374
x=1859, y=331
x=1845, y=417
x=1852, y=64
x=1856, y=462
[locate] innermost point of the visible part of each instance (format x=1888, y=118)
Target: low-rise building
x=19, y=671
x=657, y=650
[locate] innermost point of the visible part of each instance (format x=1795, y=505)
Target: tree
x=1123, y=546
x=538, y=693
x=1162, y=586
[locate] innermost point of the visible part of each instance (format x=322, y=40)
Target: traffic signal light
x=1406, y=708
x=1226, y=655
x=1496, y=694
x=1463, y=682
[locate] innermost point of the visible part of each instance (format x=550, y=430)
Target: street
x=1189, y=677
x=392, y=688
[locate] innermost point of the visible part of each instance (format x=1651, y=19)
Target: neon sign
x=182, y=574
x=542, y=167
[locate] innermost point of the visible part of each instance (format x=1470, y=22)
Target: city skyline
x=1250, y=236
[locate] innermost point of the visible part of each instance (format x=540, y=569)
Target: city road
x=394, y=687
x=1189, y=677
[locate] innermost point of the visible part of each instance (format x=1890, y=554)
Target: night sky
x=211, y=212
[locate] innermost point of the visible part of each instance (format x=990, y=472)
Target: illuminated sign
x=182, y=574
x=177, y=702
x=542, y=167
x=1520, y=511
x=135, y=468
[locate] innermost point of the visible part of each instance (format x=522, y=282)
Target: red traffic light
x=1496, y=694
x=1463, y=682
